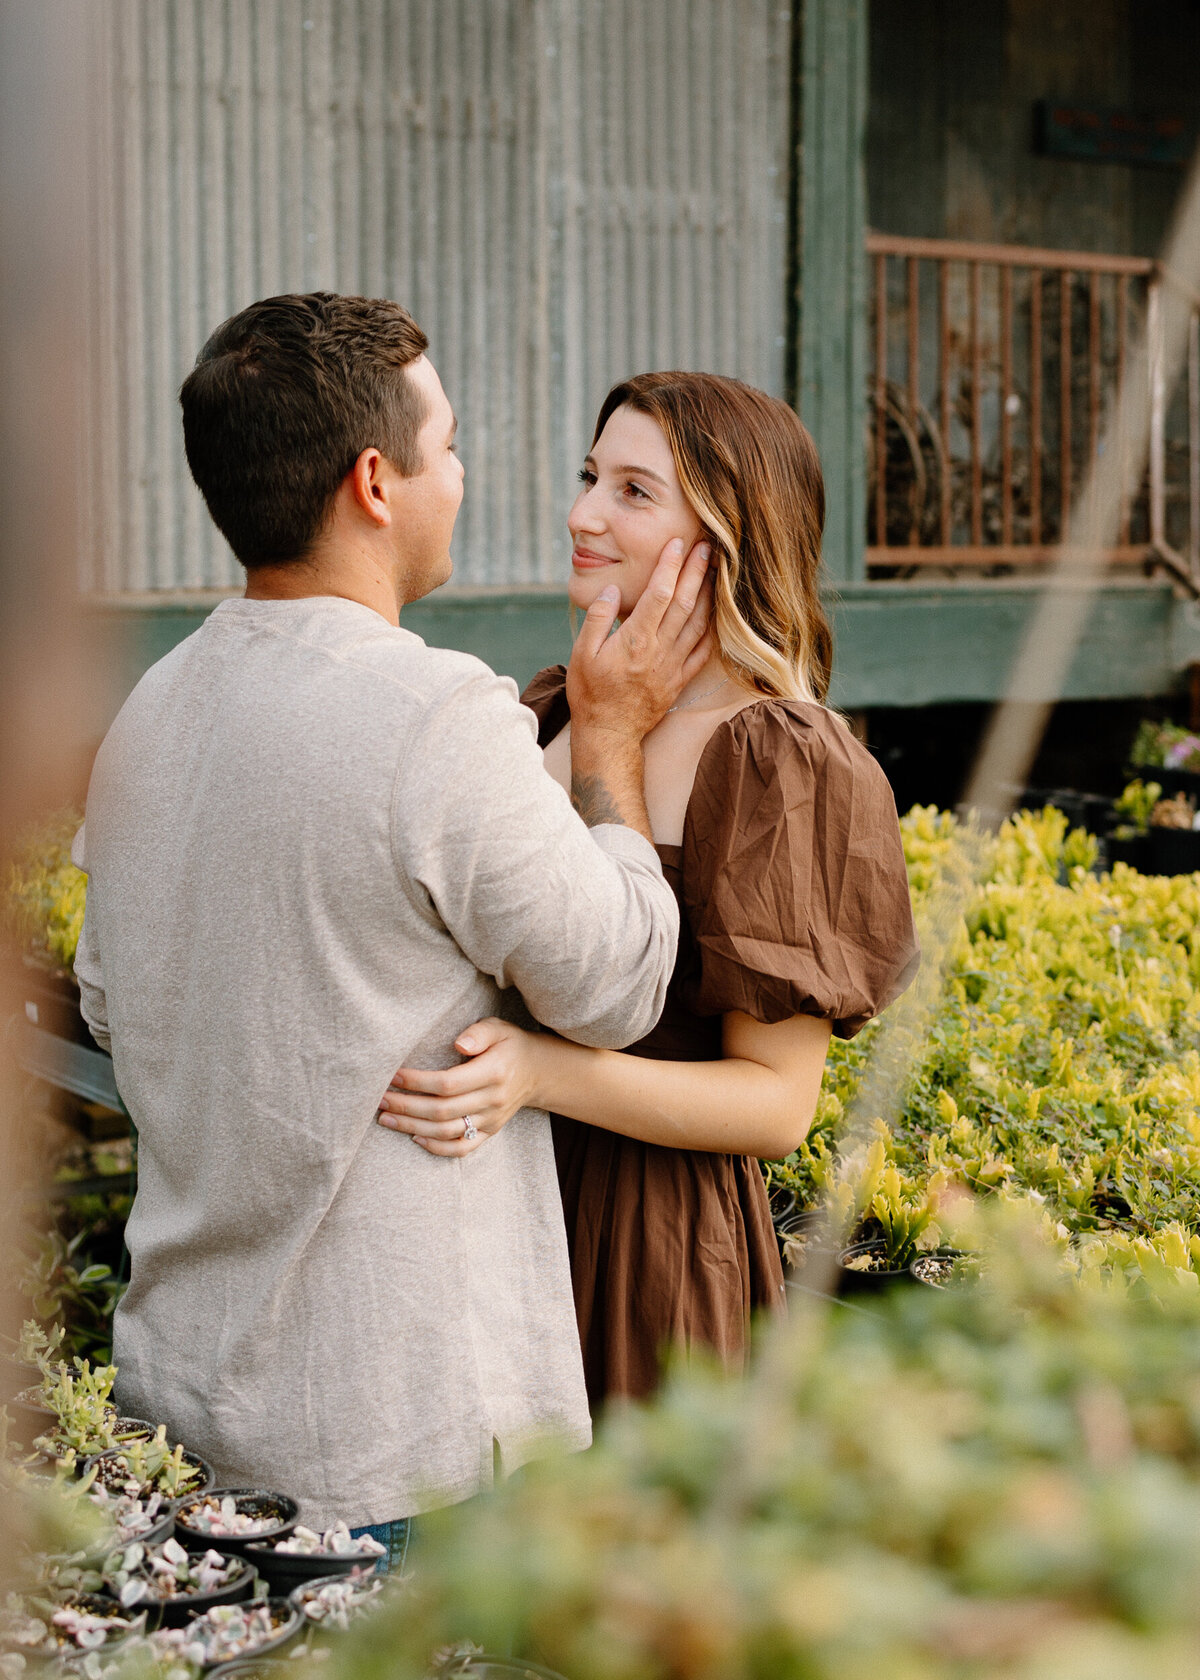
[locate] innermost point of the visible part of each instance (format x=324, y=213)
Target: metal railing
x=992, y=369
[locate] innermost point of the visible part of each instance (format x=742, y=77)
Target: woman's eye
x=586, y=476
x=636, y=491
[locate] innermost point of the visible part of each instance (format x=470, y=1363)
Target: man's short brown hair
x=282, y=401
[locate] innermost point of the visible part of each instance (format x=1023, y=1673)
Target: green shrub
x=1062, y=1064
x=43, y=904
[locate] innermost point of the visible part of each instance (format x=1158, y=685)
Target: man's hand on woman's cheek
x=452, y=1111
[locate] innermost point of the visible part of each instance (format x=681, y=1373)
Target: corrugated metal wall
x=562, y=191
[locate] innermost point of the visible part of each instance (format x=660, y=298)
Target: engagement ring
x=470, y=1129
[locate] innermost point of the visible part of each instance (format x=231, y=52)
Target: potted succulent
x=234, y=1517
x=1172, y=752
x=334, y=1601
x=470, y=1662
x=230, y=1632
x=176, y=1583
x=145, y=1467
x=149, y=1520
x=878, y=1261
x=38, y=1630
x=1128, y=840
x=306, y=1555
x=1174, y=841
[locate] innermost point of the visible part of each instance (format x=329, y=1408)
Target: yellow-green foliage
x=1063, y=1062
x=44, y=901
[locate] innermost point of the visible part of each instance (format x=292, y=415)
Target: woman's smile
x=585, y=559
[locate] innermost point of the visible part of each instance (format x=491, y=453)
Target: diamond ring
x=470, y=1129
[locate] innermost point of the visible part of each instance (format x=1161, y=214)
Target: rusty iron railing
x=992, y=367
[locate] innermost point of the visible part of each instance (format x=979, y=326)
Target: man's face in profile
x=430, y=499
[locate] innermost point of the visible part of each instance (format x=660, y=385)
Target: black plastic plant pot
x=27, y=1419
x=250, y=1668
x=289, y=1624
x=1174, y=851
x=855, y=1280
x=285, y=1571
x=1172, y=782
x=936, y=1268
x=133, y=1429
x=109, y=1475
x=253, y=1502
x=103, y=1604
x=487, y=1667
x=1135, y=851
x=183, y=1607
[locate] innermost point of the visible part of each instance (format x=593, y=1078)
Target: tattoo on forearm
x=592, y=799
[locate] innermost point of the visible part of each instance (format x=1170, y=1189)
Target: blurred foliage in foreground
x=1062, y=1064
x=1002, y=1480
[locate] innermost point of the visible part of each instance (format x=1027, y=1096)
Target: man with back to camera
x=318, y=849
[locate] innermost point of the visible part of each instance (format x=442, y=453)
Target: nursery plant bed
x=863, y=1269
x=239, y=1517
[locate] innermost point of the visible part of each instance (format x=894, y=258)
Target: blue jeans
x=393, y=1536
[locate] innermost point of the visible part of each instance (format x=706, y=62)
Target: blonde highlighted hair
x=751, y=473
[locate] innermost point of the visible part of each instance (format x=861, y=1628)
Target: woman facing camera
x=777, y=831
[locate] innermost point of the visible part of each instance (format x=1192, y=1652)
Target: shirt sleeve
x=579, y=920
x=794, y=876
x=92, y=1001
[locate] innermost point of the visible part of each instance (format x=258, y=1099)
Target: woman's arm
x=758, y=1100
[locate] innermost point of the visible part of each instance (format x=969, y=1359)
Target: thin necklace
x=682, y=705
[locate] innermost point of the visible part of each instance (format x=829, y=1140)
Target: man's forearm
x=608, y=774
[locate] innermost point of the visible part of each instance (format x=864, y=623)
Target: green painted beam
x=897, y=644
x=829, y=277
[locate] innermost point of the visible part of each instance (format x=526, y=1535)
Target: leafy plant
x=79, y=1301
x=1135, y=804
x=44, y=900
x=904, y=1219
x=151, y=1466
x=81, y=1399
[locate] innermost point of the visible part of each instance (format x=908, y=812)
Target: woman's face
x=629, y=507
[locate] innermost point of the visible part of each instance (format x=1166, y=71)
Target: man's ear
x=369, y=485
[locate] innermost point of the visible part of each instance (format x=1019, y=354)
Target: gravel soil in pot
x=174, y=1584
x=307, y=1556
x=230, y=1632
x=942, y=1268
x=233, y=1518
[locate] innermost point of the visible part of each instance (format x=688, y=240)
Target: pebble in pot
x=335, y=1601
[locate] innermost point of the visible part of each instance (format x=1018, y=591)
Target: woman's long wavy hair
x=751, y=472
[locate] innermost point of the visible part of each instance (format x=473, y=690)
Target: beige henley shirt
x=317, y=850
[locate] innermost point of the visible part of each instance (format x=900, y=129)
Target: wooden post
x=829, y=357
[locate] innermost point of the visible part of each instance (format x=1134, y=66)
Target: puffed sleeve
x=793, y=873
x=546, y=697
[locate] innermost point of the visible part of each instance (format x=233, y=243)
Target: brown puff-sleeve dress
x=793, y=900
